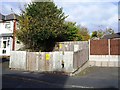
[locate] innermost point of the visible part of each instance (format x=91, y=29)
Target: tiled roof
x=2, y=17
x=111, y=36
x=12, y=16
x=9, y=17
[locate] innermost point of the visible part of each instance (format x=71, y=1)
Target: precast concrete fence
x=68, y=57
x=46, y=61
x=104, y=52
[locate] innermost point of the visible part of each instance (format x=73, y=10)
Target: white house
x=8, y=27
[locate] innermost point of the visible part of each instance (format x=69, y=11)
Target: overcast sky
x=93, y=14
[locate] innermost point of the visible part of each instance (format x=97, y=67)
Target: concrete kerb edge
x=84, y=66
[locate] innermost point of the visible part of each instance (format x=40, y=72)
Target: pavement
x=100, y=78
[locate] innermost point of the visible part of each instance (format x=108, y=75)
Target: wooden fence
x=105, y=47
x=104, y=52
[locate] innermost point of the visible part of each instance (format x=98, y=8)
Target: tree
x=72, y=32
x=100, y=33
x=83, y=31
x=94, y=34
x=41, y=25
x=109, y=31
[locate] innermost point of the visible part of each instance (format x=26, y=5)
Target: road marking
x=75, y=86
x=48, y=83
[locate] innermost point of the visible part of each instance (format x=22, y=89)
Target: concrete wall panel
x=18, y=60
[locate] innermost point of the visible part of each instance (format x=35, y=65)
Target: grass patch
x=87, y=71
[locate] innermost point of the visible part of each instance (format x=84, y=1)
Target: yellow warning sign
x=60, y=46
x=47, y=56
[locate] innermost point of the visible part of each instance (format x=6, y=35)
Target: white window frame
x=8, y=25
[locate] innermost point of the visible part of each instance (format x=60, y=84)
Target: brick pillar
x=14, y=33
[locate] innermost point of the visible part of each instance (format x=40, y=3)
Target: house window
x=4, y=51
x=4, y=38
x=4, y=44
x=7, y=25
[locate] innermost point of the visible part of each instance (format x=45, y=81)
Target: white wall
x=6, y=30
x=18, y=60
x=8, y=47
x=104, y=60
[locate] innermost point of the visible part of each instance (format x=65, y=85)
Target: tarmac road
x=56, y=81
x=101, y=78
